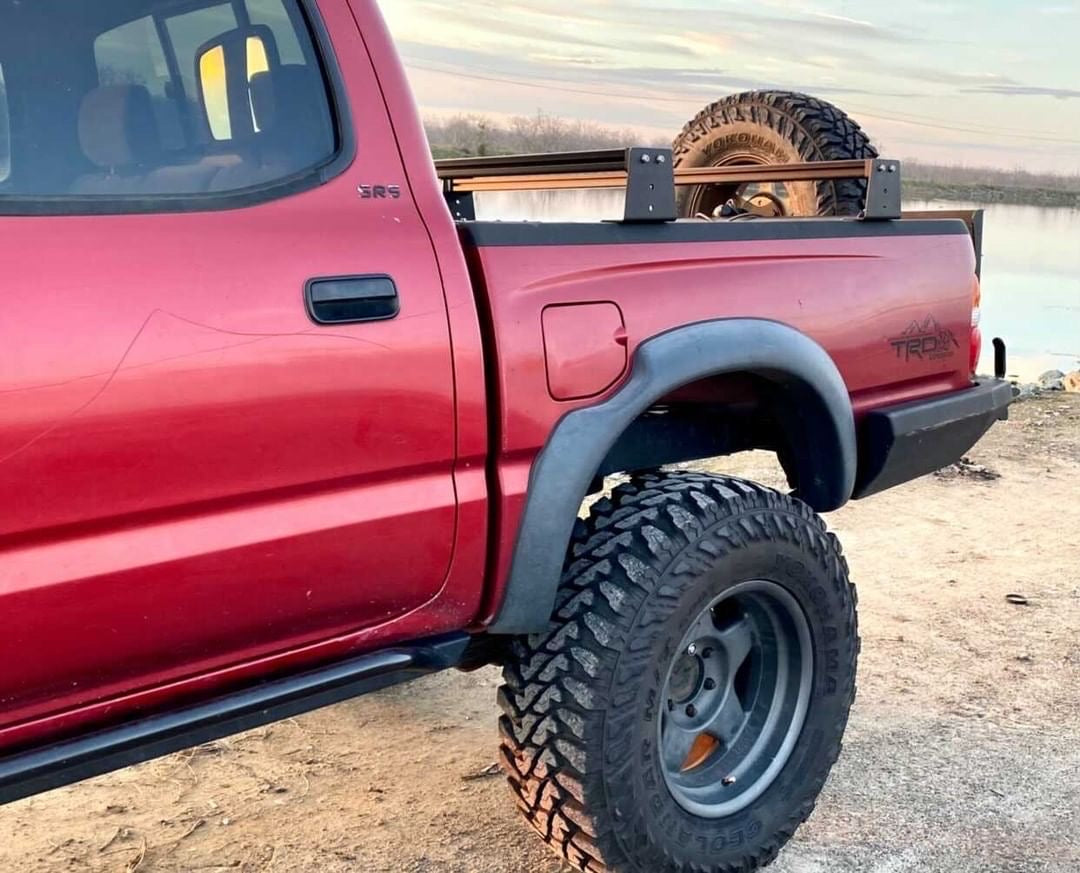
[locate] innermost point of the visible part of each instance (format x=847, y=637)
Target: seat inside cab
x=119, y=136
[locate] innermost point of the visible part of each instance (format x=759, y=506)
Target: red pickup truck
x=280, y=424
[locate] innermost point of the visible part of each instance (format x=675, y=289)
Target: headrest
x=117, y=127
x=290, y=103
x=263, y=100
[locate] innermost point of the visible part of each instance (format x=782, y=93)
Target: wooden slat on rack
x=542, y=172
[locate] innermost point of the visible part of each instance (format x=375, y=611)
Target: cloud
x=947, y=77
x=649, y=85
x=839, y=24
x=649, y=63
x=795, y=23
x=1025, y=91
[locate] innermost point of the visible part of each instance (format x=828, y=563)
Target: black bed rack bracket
x=883, y=188
x=650, y=186
x=462, y=203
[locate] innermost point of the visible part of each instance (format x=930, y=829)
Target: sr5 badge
x=379, y=192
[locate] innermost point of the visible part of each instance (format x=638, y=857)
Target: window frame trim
x=5, y=121
x=218, y=201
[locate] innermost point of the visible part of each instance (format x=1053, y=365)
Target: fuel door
x=584, y=349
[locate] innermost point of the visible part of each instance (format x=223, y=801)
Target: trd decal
x=379, y=192
x=925, y=341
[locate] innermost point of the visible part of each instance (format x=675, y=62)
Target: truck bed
x=587, y=294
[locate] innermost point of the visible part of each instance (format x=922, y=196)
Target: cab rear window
x=140, y=99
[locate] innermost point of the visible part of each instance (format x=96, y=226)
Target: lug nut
x=691, y=649
x=671, y=706
x=710, y=684
x=691, y=710
x=707, y=653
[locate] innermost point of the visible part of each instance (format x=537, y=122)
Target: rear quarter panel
x=860, y=298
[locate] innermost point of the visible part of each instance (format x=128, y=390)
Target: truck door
x=226, y=399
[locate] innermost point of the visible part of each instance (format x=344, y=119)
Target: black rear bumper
x=901, y=443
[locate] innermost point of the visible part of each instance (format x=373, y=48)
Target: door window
x=221, y=98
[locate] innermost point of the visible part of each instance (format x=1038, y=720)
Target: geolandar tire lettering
x=684, y=708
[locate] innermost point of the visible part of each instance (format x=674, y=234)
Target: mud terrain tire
x=774, y=127
x=583, y=735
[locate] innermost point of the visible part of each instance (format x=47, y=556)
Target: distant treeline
x=1018, y=178
x=988, y=185
x=474, y=135
x=471, y=135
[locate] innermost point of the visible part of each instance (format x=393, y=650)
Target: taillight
x=976, y=333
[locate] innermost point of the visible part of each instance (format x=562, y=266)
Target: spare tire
x=773, y=127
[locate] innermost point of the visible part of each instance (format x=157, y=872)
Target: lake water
x=1031, y=270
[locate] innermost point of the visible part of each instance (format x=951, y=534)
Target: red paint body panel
x=202, y=487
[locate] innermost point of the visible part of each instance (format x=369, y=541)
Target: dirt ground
x=963, y=752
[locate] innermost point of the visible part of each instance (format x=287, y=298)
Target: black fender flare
x=821, y=429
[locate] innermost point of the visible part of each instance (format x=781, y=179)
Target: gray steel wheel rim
x=743, y=675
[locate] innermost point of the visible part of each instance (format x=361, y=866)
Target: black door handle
x=351, y=299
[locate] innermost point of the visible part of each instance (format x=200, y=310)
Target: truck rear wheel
x=687, y=703
x=773, y=127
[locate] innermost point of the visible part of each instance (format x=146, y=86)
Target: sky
x=975, y=82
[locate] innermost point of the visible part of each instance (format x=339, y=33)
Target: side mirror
x=228, y=68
